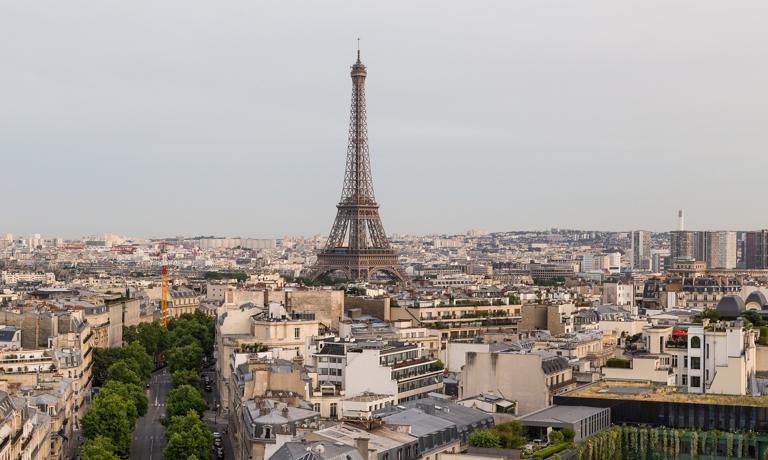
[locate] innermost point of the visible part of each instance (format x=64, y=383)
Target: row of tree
x=182, y=346
x=109, y=422
x=190, y=338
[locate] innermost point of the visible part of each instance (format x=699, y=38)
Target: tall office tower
x=357, y=246
x=720, y=249
x=681, y=245
x=680, y=220
x=641, y=250
x=756, y=249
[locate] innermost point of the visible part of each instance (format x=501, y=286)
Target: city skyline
x=592, y=117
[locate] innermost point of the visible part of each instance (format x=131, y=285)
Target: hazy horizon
x=162, y=118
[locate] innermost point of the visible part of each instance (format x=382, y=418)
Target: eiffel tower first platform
x=358, y=246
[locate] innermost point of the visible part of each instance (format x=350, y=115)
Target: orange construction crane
x=164, y=288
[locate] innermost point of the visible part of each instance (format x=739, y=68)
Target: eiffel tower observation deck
x=358, y=246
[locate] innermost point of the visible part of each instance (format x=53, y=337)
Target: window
x=316, y=407
x=706, y=348
x=685, y=379
x=685, y=362
x=334, y=410
x=695, y=362
x=674, y=360
x=695, y=381
x=296, y=332
x=695, y=342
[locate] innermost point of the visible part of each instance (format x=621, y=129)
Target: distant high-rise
x=756, y=249
x=358, y=246
x=720, y=249
x=641, y=250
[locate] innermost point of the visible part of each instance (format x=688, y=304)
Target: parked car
x=208, y=388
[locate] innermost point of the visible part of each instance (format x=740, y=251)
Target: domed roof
x=757, y=297
x=731, y=306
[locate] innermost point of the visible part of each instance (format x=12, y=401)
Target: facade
x=641, y=250
x=756, y=249
x=720, y=250
x=391, y=368
x=24, y=430
x=264, y=420
x=529, y=379
x=719, y=358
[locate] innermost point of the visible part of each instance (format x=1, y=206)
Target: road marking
x=151, y=446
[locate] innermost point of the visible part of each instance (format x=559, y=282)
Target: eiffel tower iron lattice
x=357, y=245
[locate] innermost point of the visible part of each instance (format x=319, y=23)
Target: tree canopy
x=113, y=417
x=183, y=399
x=187, y=436
x=98, y=448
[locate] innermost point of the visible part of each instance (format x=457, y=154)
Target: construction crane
x=164, y=287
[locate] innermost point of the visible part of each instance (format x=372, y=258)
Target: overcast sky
x=155, y=118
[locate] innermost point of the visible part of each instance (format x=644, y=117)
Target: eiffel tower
x=358, y=246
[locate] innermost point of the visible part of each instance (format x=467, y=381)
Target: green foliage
x=129, y=392
x=239, y=276
x=552, y=449
x=187, y=436
x=102, y=359
x=183, y=399
x=485, y=438
x=98, y=448
x=438, y=365
x=753, y=317
x=111, y=416
x=189, y=357
x=617, y=362
x=556, y=437
x=135, y=351
x=122, y=372
x=185, y=377
x=152, y=336
x=507, y=435
x=710, y=314
x=568, y=434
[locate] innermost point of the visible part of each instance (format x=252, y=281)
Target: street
x=211, y=417
x=148, y=441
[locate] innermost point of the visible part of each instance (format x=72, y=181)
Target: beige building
x=24, y=431
x=528, y=379
x=240, y=328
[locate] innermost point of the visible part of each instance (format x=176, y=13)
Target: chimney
x=362, y=446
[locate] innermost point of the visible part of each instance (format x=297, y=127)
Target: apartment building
x=391, y=368
x=24, y=430
x=529, y=379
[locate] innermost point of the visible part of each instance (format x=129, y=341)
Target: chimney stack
x=362, y=446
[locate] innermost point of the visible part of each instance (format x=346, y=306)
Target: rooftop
x=662, y=393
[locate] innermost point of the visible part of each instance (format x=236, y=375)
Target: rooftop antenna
x=358, y=49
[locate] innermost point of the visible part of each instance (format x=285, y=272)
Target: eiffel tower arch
x=357, y=246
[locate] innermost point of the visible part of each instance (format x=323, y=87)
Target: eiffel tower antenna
x=357, y=246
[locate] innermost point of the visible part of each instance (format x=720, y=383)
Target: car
x=208, y=388
x=216, y=434
x=219, y=453
x=147, y=385
x=217, y=442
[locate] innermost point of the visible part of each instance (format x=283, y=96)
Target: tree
x=485, y=438
x=122, y=372
x=568, y=434
x=129, y=392
x=102, y=359
x=710, y=314
x=98, y=448
x=183, y=399
x=185, y=377
x=187, y=436
x=556, y=437
x=186, y=357
x=112, y=416
x=136, y=352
